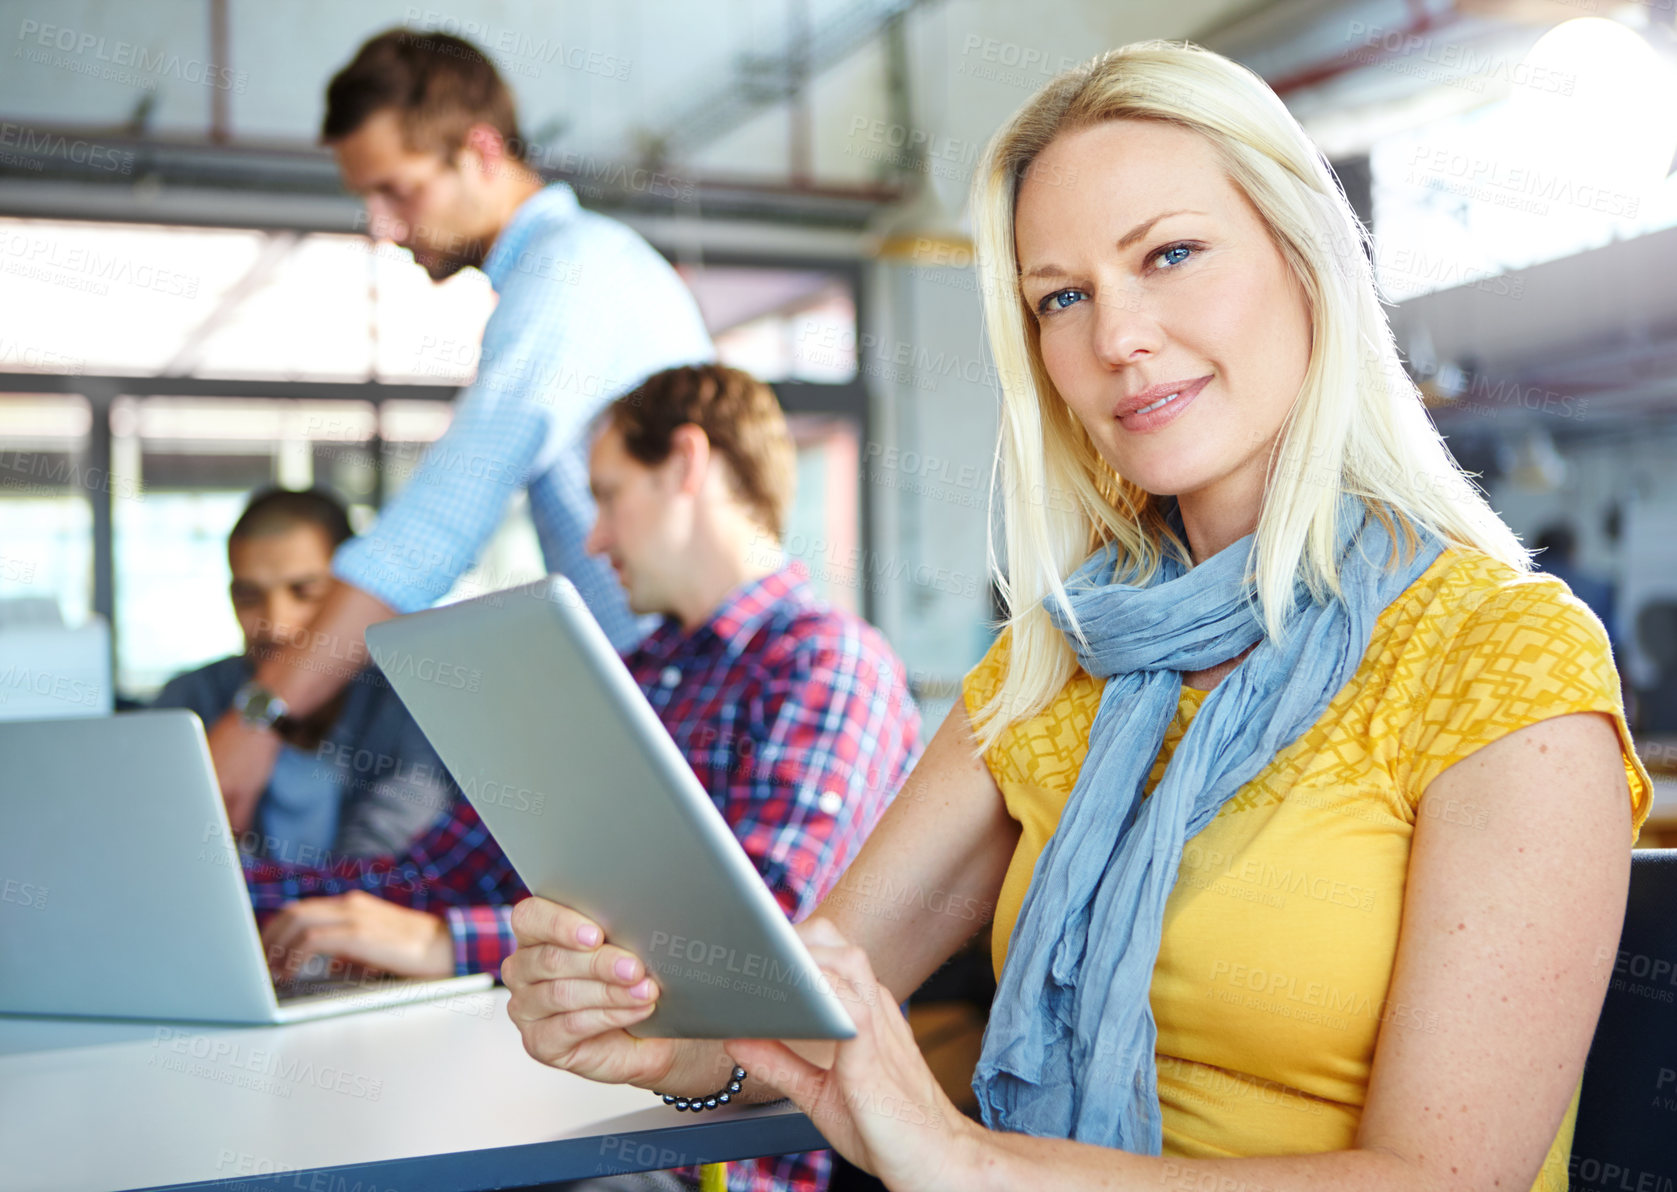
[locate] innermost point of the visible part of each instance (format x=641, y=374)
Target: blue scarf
x=1069, y=1052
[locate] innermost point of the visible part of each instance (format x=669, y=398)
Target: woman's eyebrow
x=1140, y=230
x=1124, y=241
x=1045, y=271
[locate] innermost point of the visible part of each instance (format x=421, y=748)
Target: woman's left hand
x=879, y=1104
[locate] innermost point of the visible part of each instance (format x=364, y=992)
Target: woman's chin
x=1163, y=482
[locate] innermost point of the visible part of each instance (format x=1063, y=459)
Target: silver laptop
x=541, y=724
x=121, y=893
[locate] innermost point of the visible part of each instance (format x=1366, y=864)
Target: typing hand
x=573, y=994
x=361, y=928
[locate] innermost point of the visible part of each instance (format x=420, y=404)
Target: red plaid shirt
x=796, y=718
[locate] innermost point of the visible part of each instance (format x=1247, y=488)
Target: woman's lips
x=1143, y=421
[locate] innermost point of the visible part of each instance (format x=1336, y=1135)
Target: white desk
x=429, y=1097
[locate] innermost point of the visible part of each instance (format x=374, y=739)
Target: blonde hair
x=1060, y=500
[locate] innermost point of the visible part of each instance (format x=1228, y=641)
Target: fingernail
x=642, y=990
x=588, y=934
x=624, y=968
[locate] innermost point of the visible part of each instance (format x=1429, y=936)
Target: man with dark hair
x=794, y=715
x=356, y=778
x=424, y=129
x=277, y=510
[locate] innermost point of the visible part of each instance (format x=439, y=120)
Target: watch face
x=260, y=707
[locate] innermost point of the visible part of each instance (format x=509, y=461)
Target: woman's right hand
x=573, y=995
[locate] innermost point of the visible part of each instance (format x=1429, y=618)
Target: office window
x=227, y=302
x=779, y=324
x=783, y=324
x=1576, y=156
x=183, y=469
x=824, y=530
x=46, y=547
x=291, y=309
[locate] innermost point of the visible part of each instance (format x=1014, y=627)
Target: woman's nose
x=1124, y=329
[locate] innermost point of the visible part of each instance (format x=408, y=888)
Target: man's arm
x=441, y=907
x=360, y=928
x=838, y=735
x=481, y=937
x=432, y=531
x=305, y=676
x=546, y=367
x=332, y=652
x=456, y=863
x=424, y=540
x=380, y=935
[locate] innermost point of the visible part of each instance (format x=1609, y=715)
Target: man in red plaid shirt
x=794, y=715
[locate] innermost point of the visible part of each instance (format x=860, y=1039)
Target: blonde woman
x=1305, y=806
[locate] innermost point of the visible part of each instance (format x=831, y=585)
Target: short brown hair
x=437, y=84
x=279, y=510
x=739, y=414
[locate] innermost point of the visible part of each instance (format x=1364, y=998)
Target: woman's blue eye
x=1058, y=300
x=1174, y=255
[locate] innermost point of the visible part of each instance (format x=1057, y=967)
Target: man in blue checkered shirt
x=423, y=128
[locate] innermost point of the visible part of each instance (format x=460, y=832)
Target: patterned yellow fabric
x=1267, y=1021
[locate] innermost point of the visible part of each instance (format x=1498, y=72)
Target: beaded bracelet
x=698, y=1104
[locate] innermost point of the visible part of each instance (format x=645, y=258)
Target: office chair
x=1656, y=633
x=1627, y=1113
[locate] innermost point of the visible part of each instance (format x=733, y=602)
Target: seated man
x=355, y=779
x=794, y=715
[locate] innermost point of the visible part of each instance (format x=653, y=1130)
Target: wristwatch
x=257, y=706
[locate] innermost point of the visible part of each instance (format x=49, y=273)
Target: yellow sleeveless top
x=1266, y=1021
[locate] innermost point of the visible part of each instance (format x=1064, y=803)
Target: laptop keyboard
x=316, y=987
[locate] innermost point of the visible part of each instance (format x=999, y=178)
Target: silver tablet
x=551, y=740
